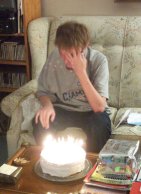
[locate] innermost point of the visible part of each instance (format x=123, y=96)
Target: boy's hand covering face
x=74, y=59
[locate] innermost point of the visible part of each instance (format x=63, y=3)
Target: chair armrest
x=14, y=131
x=11, y=101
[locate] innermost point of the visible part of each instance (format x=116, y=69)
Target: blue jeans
x=97, y=127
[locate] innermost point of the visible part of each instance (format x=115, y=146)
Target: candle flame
x=63, y=150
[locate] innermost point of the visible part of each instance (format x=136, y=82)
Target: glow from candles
x=63, y=150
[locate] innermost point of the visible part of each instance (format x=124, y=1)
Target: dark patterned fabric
x=4, y=123
x=4, y=120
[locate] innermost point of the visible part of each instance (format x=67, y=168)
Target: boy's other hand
x=45, y=115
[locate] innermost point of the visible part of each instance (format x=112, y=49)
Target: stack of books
x=12, y=49
x=116, y=168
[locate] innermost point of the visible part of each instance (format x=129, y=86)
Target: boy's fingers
x=74, y=52
x=36, y=118
x=52, y=117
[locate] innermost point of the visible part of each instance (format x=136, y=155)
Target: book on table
x=99, y=190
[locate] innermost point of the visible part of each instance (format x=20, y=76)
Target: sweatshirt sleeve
x=100, y=78
x=43, y=86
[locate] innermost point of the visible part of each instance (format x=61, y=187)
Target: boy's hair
x=72, y=34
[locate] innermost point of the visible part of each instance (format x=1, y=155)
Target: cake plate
x=74, y=177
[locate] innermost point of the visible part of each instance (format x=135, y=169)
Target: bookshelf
x=15, y=62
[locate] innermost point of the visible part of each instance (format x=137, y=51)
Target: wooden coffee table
x=31, y=183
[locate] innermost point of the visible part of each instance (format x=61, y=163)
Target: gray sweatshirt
x=62, y=85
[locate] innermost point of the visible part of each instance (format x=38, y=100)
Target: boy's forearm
x=97, y=102
x=45, y=101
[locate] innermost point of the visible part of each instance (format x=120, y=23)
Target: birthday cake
x=62, y=158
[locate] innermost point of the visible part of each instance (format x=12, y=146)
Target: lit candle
x=63, y=151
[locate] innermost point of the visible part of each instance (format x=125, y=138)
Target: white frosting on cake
x=63, y=160
x=61, y=170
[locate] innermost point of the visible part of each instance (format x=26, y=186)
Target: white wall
x=89, y=7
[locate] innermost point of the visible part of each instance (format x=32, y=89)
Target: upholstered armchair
x=119, y=38
x=11, y=104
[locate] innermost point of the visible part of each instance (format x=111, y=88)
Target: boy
x=73, y=88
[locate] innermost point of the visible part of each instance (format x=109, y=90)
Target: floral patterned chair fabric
x=119, y=38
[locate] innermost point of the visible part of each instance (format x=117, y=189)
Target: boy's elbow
x=99, y=108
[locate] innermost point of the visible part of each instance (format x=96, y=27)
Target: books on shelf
x=12, y=79
x=12, y=50
x=14, y=47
